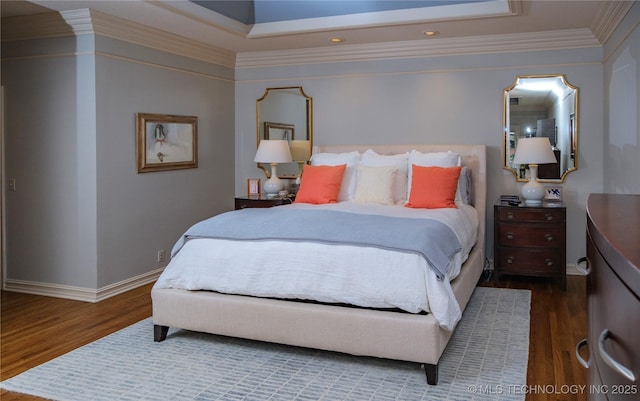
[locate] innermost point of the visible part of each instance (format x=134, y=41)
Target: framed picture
x=166, y=142
x=552, y=193
x=279, y=131
x=253, y=187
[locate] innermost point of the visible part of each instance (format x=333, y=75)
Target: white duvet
x=355, y=275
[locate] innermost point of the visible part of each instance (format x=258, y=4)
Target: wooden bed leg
x=432, y=373
x=160, y=333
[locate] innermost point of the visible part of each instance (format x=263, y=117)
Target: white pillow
x=375, y=184
x=400, y=161
x=440, y=159
x=351, y=159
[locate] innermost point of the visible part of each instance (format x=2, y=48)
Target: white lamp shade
x=301, y=150
x=273, y=151
x=535, y=150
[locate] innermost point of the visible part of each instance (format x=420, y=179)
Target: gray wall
x=621, y=144
x=455, y=99
x=48, y=239
x=81, y=215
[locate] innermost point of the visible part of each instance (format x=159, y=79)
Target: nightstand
x=530, y=240
x=243, y=202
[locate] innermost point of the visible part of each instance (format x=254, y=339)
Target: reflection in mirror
x=542, y=105
x=286, y=113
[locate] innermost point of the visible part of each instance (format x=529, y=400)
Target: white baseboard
x=572, y=270
x=80, y=293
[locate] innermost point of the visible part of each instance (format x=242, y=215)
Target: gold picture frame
x=253, y=188
x=166, y=142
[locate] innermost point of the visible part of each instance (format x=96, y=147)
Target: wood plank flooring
x=35, y=329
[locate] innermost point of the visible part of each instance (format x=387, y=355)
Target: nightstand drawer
x=530, y=261
x=530, y=215
x=545, y=236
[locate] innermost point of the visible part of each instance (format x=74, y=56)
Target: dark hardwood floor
x=35, y=329
x=558, y=322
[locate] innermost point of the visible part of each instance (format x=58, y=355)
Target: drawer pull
x=548, y=237
x=510, y=236
x=580, y=358
x=584, y=270
x=510, y=259
x=548, y=217
x=613, y=364
x=510, y=215
x=548, y=262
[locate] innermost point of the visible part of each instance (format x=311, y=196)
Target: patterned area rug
x=486, y=358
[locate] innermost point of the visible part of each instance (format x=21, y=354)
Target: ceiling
x=265, y=25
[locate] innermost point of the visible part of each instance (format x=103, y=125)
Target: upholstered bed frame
x=357, y=331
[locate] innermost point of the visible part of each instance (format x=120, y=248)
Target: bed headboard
x=473, y=156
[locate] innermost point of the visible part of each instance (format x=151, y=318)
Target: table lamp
x=273, y=152
x=533, y=151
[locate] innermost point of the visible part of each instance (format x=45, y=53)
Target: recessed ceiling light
x=336, y=40
x=430, y=33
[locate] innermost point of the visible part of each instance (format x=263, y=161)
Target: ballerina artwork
x=169, y=143
x=166, y=142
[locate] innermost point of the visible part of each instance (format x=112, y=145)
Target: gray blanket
x=431, y=239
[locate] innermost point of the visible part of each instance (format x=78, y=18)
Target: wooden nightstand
x=243, y=202
x=530, y=240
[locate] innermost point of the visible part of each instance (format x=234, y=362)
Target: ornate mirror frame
x=550, y=102
x=286, y=112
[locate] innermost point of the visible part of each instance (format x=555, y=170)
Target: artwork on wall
x=279, y=131
x=166, y=142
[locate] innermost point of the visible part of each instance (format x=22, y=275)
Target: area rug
x=486, y=359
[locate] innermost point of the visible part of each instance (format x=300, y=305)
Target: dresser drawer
x=528, y=261
x=614, y=323
x=539, y=235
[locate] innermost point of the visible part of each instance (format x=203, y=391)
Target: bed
x=410, y=333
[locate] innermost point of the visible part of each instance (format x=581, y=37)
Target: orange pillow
x=320, y=184
x=433, y=187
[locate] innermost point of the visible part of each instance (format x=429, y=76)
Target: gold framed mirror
x=286, y=113
x=541, y=105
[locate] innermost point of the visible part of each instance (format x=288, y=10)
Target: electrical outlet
x=12, y=184
x=161, y=256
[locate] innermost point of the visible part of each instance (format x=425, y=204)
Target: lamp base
x=533, y=191
x=274, y=184
x=272, y=187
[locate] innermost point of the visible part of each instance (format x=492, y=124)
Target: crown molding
x=608, y=19
x=531, y=41
x=126, y=31
x=79, y=21
x=85, y=22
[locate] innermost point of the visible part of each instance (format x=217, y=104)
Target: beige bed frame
x=384, y=334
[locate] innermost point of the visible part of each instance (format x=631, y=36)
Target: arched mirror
x=542, y=105
x=286, y=113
